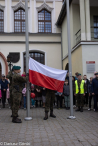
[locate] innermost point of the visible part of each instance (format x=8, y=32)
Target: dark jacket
x=43, y=92
x=4, y=85
x=89, y=88
x=95, y=86
x=87, y=84
x=66, y=90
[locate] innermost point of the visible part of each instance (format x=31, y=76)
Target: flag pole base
x=28, y=118
x=71, y=117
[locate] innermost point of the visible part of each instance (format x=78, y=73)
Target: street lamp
x=9, y=62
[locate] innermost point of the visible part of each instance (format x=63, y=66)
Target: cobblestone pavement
x=83, y=131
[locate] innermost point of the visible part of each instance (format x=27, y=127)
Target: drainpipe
x=61, y=50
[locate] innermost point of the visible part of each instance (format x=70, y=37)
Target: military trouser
x=50, y=97
x=11, y=99
x=16, y=102
x=79, y=100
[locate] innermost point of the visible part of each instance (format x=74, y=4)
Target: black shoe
x=52, y=115
x=77, y=109
x=16, y=120
x=81, y=110
x=46, y=116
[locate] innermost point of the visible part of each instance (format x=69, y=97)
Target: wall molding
x=44, y=6
x=2, y=7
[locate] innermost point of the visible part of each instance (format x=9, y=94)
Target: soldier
x=79, y=90
x=50, y=97
x=9, y=76
x=17, y=81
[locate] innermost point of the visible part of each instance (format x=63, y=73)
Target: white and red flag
x=45, y=76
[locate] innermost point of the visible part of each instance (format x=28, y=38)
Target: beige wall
x=76, y=22
x=76, y=61
x=64, y=33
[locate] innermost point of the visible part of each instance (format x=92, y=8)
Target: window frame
x=2, y=20
x=95, y=27
x=33, y=56
x=19, y=20
x=44, y=21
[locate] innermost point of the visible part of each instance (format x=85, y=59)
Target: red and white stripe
x=45, y=76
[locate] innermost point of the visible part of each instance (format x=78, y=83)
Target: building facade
x=84, y=36
x=44, y=35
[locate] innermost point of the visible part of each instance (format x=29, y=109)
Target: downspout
x=61, y=50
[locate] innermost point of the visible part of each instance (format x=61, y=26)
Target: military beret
x=79, y=74
x=96, y=73
x=16, y=67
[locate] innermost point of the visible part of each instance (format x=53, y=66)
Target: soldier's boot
x=81, y=109
x=46, y=116
x=52, y=115
x=16, y=120
x=78, y=109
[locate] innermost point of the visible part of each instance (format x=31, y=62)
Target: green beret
x=16, y=67
x=79, y=74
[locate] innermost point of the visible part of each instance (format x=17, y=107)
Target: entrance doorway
x=38, y=56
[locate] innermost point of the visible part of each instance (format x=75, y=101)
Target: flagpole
x=27, y=60
x=69, y=60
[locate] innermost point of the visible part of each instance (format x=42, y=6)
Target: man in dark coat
x=94, y=88
x=4, y=85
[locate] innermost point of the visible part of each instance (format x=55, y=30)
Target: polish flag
x=45, y=76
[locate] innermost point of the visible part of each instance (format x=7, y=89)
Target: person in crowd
x=67, y=76
x=0, y=95
x=74, y=99
x=4, y=86
x=17, y=81
x=8, y=96
x=43, y=96
x=94, y=89
x=50, y=97
x=66, y=93
x=38, y=94
x=24, y=97
x=90, y=93
x=79, y=92
x=32, y=97
x=76, y=76
x=59, y=99
x=86, y=93
x=24, y=74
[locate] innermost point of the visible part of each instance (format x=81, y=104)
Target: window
x=44, y=21
x=96, y=27
x=40, y=57
x=19, y=20
x=1, y=21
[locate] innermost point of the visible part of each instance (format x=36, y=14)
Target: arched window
x=19, y=20
x=44, y=21
x=1, y=21
x=40, y=57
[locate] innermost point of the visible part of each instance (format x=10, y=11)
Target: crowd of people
x=84, y=92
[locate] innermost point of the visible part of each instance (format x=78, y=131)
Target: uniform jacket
x=94, y=86
x=66, y=90
x=9, y=76
x=17, y=82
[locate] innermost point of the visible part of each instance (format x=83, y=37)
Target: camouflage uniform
x=9, y=76
x=17, y=82
x=50, y=97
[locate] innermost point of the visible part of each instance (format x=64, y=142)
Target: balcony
x=94, y=35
